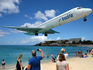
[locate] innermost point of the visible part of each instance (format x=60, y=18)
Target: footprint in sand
x=70, y=67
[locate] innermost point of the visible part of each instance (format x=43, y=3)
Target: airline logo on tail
x=67, y=17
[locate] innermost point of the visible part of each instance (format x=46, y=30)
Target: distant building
x=68, y=41
x=54, y=44
x=75, y=39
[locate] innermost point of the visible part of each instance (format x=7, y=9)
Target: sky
x=34, y=12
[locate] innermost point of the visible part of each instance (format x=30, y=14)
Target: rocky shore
x=85, y=45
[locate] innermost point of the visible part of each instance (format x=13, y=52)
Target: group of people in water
x=81, y=55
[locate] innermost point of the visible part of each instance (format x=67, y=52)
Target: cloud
x=28, y=16
x=34, y=39
x=0, y=15
x=32, y=25
x=2, y=33
x=57, y=11
x=83, y=38
x=12, y=42
x=9, y=6
x=40, y=15
x=9, y=42
x=58, y=38
x=50, y=13
x=26, y=25
x=15, y=31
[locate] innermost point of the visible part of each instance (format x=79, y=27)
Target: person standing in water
x=3, y=64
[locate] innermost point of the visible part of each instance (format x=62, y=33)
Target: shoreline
x=75, y=63
x=13, y=66
x=58, y=45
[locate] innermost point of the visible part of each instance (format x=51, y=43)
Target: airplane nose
x=89, y=10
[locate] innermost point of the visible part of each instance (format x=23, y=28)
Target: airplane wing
x=51, y=32
x=24, y=28
x=48, y=32
x=31, y=31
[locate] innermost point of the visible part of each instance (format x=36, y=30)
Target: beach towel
x=92, y=56
x=25, y=68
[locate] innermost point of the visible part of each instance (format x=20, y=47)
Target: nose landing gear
x=85, y=19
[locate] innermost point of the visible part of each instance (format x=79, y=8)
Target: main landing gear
x=45, y=34
x=85, y=18
x=36, y=34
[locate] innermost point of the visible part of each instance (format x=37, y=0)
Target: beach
x=75, y=63
x=10, y=54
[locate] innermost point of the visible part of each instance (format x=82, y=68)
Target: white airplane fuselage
x=46, y=27
x=71, y=15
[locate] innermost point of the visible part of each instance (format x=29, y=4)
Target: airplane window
x=79, y=7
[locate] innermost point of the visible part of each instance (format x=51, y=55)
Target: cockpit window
x=79, y=7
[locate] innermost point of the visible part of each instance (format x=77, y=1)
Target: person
x=62, y=51
x=54, y=59
x=81, y=54
x=3, y=64
x=91, y=52
x=18, y=65
x=34, y=62
x=48, y=56
x=28, y=58
x=62, y=64
x=76, y=54
x=87, y=51
x=85, y=55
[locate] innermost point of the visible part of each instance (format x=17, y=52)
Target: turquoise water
x=10, y=52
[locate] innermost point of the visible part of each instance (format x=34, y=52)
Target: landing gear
x=45, y=34
x=85, y=18
x=36, y=34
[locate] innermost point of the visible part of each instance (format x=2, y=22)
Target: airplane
x=46, y=27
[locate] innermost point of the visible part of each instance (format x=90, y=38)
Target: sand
x=75, y=63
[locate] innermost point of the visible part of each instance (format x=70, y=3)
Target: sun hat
x=62, y=49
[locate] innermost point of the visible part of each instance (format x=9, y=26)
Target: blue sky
x=35, y=12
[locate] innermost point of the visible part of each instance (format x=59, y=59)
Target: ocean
x=10, y=53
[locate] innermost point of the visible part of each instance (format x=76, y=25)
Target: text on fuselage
x=67, y=17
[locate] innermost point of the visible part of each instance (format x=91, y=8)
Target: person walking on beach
x=34, y=62
x=18, y=65
x=3, y=64
x=62, y=64
x=62, y=51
